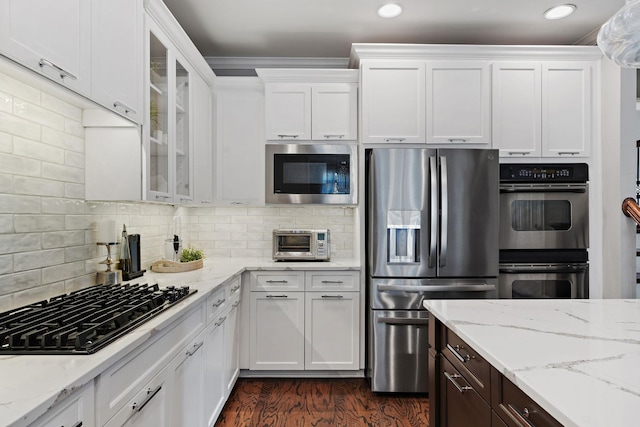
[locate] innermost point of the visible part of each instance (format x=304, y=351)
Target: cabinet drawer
x=216, y=302
x=332, y=281
x=462, y=405
x=517, y=409
x=277, y=281
x=120, y=383
x=471, y=365
x=234, y=287
x=76, y=410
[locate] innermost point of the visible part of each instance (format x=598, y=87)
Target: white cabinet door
x=393, y=102
x=203, y=160
x=517, y=108
x=76, y=410
x=567, y=109
x=288, y=111
x=214, y=372
x=332, y=330
x=51, y=37
x=186, y=372
x=117, y=56
x=239, y=130
x=458, y=102
x=334, y=112
x=232, y=346
x=182, y=131
x=276, y=331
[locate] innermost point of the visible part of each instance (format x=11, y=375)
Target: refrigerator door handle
x=444, y=185
x=433, y=169
x=467, y=287
x=402, y=321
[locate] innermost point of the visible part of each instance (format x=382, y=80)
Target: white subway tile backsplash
x=37, y=150
x=32, y=260
x=53, y=103
x=15, y=165
x=74, y=128
x=52, y=205
x=80, y=222
x=11, y=283
x=14, y=243
x=63, y=140
x=6, y=102
x=62, y=173
x=6, y=264
x=6, y=183
x=37, y=114
x=62, y=272
x=10, y=203
x=73, y=191
x=6, y=142
x=82, y=253
x=17, y=88
x=71, y=158
x=19, y=126
x=33, y=223
x=63, y=239
x=6, y=224
x=38, y=187
x=39, y=293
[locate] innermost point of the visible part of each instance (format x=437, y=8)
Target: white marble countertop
x=32, y=384
x=578, y=359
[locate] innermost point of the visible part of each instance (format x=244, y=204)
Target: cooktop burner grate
x=85, y=321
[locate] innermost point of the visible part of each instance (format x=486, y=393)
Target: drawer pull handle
x=150, y=395
x=282, y=136
x=333, y=296
x=78, y=424
x=235, y=304
x=455, y=350
x=218, y=303
x=335, y=282
x=277, y=281
x=221, y=321
x=521, y=417
x=523, y=153
x=235, y=288
x=452, y=378
x=195, y=348
x=394, y=139
x=277, y=296
x=340, y=136
x=458, y=139
x=567, y=153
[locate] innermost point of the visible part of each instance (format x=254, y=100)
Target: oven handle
x=543, y=188
x=544, y=268
x=468, y=287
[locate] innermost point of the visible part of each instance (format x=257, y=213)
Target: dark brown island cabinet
x=466, y=391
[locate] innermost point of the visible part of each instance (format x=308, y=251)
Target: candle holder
x=109, y=277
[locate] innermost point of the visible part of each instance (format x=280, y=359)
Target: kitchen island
x=577, y=359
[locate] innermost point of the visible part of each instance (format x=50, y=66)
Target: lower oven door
x=398, y=343
x=562, y=280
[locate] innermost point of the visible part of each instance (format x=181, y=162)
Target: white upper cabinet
x=288, y=111
x=334, y=109
x=117, y=56
x=51, y=37
x=307, y=104
x=458, y=102
x=393, y=102
x=202, y=141
x=567, y=109
x=517, y=108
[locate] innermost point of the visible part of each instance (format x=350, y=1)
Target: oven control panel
x=527, y=172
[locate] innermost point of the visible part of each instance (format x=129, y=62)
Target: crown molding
x=288, y=75
x=243, y=63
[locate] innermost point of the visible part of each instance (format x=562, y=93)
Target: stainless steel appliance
x=301, y=245
x=432, y=226
x=544, y=231
x=311, y=173
x=84, y=321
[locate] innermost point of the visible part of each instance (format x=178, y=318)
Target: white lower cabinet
x=77, y=410
x=277, y=331
x=214, y=368
x=332, y=330
x=314, y=327
x=232, y=344
x=186, y=372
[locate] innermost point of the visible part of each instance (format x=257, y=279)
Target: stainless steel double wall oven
x=544, y=231
x=432, y=226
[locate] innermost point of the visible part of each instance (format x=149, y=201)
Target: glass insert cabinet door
x=183, y=170
x=158, y=155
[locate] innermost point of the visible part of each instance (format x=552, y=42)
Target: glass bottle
x=125, y=252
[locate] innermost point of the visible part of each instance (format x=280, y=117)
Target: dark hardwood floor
x=319, y=402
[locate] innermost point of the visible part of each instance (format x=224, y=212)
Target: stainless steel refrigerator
x=432, y=233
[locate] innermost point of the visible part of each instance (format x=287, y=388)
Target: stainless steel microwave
x=311, y=173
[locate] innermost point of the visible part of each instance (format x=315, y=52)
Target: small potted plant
x=190, y=254
x=190, y=259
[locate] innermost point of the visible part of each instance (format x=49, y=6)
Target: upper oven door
x=544, y=216
x=311, y=173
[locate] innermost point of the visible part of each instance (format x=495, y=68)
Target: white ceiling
x=327, y=28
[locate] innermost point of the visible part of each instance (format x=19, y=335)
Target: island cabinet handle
x=455, y=350
x=521, y=417
x=150, y=395
x=452, y=378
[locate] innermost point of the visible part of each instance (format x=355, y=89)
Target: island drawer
x=461, y=403
x=517, y=409
x=471, y=365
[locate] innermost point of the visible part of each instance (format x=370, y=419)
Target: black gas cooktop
x=85, y=321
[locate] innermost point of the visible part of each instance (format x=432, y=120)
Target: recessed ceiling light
x=389, y=10
x=561, y=11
